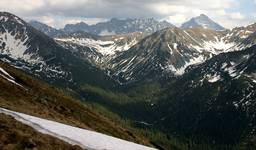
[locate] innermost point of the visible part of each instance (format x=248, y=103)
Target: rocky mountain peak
x=202, y=21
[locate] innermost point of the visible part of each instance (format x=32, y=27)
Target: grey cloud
x=120, y=8
x=99, y=9
x=158, y=9
x=112, y=8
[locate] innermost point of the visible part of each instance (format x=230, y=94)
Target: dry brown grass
x=17, y=136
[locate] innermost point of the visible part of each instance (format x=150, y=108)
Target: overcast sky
x=57, y=13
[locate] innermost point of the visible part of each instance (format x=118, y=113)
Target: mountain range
x=112, y=27
x=195, y=83
x=166, y=52
x=123, y=26
x=119, y=26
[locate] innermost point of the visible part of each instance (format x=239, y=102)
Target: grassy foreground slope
x=41, y=100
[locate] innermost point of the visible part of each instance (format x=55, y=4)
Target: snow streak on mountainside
x=73, y=135
x=8, y=77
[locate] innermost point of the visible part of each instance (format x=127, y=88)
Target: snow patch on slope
x=215, y=47
x=213, y=78
x=13, y=46
x=73, y=135
x=218, y=46
x=181, y=70
x=3, y=18
x=103, y=47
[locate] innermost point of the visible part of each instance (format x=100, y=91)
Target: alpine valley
x=187, y=88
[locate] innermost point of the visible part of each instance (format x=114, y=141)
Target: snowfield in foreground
x=73, y=135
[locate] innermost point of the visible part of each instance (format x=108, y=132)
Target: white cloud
x=213, y=4
x=19, y=6
x=179, y=11
x=236, y=15
x=112, y=8
x=176, y=19
x=231, y=20
x=221, y=12
x=165, y=9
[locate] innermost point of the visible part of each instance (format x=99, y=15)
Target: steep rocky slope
x=36, y=53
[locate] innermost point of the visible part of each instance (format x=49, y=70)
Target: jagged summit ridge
x=120, y=26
